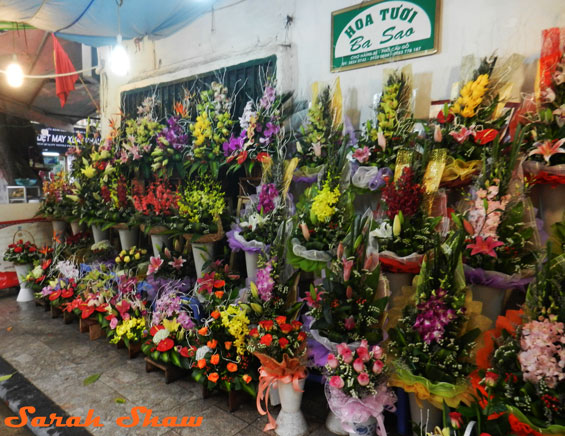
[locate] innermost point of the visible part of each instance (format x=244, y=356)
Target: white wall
x=238, y=31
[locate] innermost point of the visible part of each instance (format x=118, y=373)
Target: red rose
x=297, y=325
x=280, y=319
x=18, y=250
x=32, y=249
x=441, y=117
x=283, y=343
x=485, y=136
x=254, y=332
x=165, y=345
x=286, y=328
x=266, y=340
x=54, y=295
x=301, y=336
x=267, y=324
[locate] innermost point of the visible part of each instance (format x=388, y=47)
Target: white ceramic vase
x=25, y=294
x=159, y=242
x=427, y=416
x=202, y=253
x=333, y=424
x=59, y=229
x=251, y=259
x=76, y=228
x=99, y=234
x=290, y=421
x=492, y=299
x=128, y=237
x=363, y=428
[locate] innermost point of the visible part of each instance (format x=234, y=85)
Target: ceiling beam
x=33, y=114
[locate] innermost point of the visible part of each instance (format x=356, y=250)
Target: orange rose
x=280, y=319
x=212, y=344
x=201, y=363
x=232, y=367
x=227, y=345
x=215, y=359
x=213, y=377
x=203, y=331
x=215, y=314
x=246, y=378
x=219, y=294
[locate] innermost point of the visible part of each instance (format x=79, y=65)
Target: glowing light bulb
x=14, y=74
x=119, y=59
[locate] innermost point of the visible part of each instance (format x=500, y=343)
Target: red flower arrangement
x=275, y=338
x=21, y=253
x=160, y=199
x=403, y=195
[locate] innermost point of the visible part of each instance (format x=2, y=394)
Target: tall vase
x=202, y=253
x=365, y=428
x=290, y=421
x=334, y=425
x=99, y=234
x=25, y=294
x=76, y=228
x=128, y=237
x=59, y=229
x=159, y=241
x=251, y=259
x=426, y=416
x=550, y=202
x=492, y=299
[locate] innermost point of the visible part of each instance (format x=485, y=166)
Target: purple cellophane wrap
x=354, y=410
x=237, y=244
x=495, y=279
x=305, y=179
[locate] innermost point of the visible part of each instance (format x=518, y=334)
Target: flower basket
x=134, y=349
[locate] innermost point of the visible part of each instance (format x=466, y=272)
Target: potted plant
x=22, y=255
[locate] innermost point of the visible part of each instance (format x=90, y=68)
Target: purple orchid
x=173, y=135
x=267, y=198
x=235, y=143
x=268, y=98
x=433, y=316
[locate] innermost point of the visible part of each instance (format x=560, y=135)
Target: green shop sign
x=383, y=31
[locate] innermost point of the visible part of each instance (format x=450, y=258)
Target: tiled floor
x=56, y=358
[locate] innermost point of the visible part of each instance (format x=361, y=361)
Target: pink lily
x=154, y=265
x=548, y=148
x=381, y=140
x=177, y=262
x=484, y=246
x=362, y=154
x=462, y=135
x=347, y=267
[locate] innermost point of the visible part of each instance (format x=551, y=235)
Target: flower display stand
x=84, y=324
x=426, y=415
x=290, y=421
x=43, y=302
x=134, y=350
x=99, y=234
x=55, y=312
x=251, y=259
x=171, y=372
x=333, y=424
x=492, y=299
x=95, y=331
x=68, y=317
x=25, y=294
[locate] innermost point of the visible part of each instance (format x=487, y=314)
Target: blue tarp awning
x=95, y=22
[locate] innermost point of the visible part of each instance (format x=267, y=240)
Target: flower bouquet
x=21, y=253
x=322, y=220
x=350, y=303
x=433, y=332
x=357, y=390
x=210, y=131
x=56, y=204
x=260, y=124
x=521, y=377
x=472, y=120
x=406, y=231
x=383, y=137
x=500, y=250
x=280, y=346
x=322, y=133
x=218, y=287
x=221, y=359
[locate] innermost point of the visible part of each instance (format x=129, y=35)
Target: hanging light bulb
x=119, y=59
x=14, y=74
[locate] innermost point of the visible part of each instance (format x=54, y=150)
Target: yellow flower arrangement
x=471, y=96
x=202, y=201
x=235, y=320
x=131, y=329
x=324, y=203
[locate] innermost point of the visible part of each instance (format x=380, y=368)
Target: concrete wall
x=238, y=31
